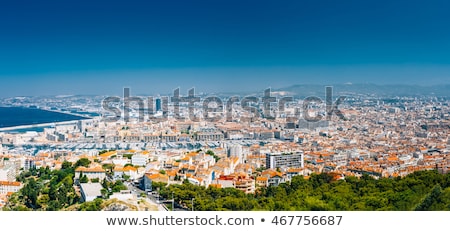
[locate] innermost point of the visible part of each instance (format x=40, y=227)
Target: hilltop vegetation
x=46, y=190
x=427, y=190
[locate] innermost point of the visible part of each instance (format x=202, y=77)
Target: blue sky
x=98, y=47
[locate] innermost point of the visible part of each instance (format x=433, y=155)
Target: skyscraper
x=158, y=104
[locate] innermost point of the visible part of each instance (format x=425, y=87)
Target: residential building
x=148, y=178
x=284, y=160
x=8, y=173
x=91, y=173
x=139, y=160
x=9, y=187
x=120, y=171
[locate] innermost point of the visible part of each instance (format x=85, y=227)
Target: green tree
x=84, y=179
x=104, y=193
x=428, y=201
x=30, y=193
x=92, y=205
x=128, y=156
x=118, y=186
x=85, y=162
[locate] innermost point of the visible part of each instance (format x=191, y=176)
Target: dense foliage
x=427, y=190
x=54, y=190
x=45, y=189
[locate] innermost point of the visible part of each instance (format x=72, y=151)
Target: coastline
x=6, y=129
x=50, y=110
x=43, y=124
x=67, y=113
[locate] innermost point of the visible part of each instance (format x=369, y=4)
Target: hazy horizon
x=210, y=80
x=97, y=48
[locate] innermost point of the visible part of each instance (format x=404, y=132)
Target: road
x=137, y=192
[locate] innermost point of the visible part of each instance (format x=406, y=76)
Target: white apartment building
x=139, y=160
x=9, y=187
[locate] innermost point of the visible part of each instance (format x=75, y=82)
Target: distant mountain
x=369, y=89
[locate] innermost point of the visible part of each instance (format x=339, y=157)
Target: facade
x=158, y=105
x=8, y=173
x=139, y=160
x=275, y=180
x=130, y=171
x=240, y=182
x=150, y=138
x=147, y=179
x=271, y=177
x=284, y=160
x=235, y=150
x=91, y=173
x=9, y=187
x=169, y=138
x=246, y=185
x=262, y=181
x=146, y=183
x=294, y=172
x=209, y=136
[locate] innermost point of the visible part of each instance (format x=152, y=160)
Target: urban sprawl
x=381, y=137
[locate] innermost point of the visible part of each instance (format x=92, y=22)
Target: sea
x=19, y=116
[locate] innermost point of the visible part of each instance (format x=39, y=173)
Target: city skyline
x=52, y=48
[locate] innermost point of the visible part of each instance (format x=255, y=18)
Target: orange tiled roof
x=186, y=158
x=261, y=178
x=118, y=168
x=108, y=154
x=295, y=170
x=157, y=176
x=9, y=183
x=172, y=173
x=94, y=169
x=129, y=168
x=192, y=167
